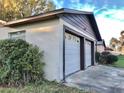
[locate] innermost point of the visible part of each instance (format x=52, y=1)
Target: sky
x=109, y=14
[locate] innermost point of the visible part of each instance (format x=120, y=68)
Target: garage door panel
x=87, y=54
x=72, y=62
x=68, y=58
x=72, y=53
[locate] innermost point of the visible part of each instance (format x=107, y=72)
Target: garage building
x=66, y=36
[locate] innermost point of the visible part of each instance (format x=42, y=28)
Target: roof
x=55, y=14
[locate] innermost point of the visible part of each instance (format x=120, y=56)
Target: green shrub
x=97, y=56
x=112, y=59
x=20, y=62
x=107, y=58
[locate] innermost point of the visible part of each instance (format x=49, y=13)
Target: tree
x=118, y=44
x=114, y=43
x=16, y=9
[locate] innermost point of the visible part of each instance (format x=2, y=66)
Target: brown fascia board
x=44, y=16
x=31, y=19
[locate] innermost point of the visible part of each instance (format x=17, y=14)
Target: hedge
x=106, y=58
x=20, y=62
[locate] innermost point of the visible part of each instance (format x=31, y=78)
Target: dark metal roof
x=54, y=14
x=101, y=43
x=104, y=43
x=94, y=26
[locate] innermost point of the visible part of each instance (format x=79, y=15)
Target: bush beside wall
x=97, y=57
x=20, y=62
x=106, y=58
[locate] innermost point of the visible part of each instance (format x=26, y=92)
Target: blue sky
x=109, y=14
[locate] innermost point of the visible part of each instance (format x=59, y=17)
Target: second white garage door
x=87, y=54
x=72, y=53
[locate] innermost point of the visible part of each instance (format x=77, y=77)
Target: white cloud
x=111, y=23
x=87, y=7
x=114, y=13
x=109, y=28
x=83, y=7
x=117, y=14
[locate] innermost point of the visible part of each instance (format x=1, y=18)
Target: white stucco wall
x=100, y=48
x=47, y=36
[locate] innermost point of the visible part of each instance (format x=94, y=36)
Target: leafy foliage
x=120, y=62
x=20, y=62
x=118, y=44
x=16, y=9
x=106, y=58
x=97, y=55
x=46, y=87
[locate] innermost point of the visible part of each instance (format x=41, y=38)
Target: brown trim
x=82, y=55
x=92, y=53
x=31, y=21
x=64, y=29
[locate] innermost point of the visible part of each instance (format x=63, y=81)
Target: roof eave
x=30, y=19
x=94, y=26
x=12, y=24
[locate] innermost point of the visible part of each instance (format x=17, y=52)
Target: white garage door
x=72, y=53
x=87, y=54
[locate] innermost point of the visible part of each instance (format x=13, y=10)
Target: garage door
x=87, y=54
x=72, y=53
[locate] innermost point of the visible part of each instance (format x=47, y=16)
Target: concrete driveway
x=99, y=79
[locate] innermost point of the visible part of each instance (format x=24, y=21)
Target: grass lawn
x=120, y=62
x=49, y=87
